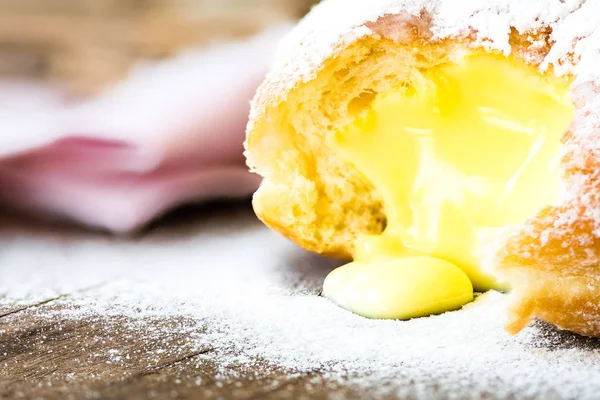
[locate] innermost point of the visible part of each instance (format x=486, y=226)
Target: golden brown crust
x=269, y=218
x=568, y=301
x=554, y=259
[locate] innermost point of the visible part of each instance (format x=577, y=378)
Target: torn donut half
x=434, y=132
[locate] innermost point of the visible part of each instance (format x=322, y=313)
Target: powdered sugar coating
x=334, y=24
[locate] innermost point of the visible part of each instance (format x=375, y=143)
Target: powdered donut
x=343, y=49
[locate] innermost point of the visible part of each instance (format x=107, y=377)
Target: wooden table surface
x=46, y=354
x=54, y=357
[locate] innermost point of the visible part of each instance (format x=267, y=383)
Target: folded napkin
x=171, y=133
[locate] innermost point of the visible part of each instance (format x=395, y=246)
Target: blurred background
x=88, y=44
x=113, y=112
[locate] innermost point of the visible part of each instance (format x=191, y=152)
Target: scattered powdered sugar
x=254, y=295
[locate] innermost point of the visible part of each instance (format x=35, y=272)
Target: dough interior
x=459, y=155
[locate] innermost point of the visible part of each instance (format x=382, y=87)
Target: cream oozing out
x=562, y=38
x=458, y=163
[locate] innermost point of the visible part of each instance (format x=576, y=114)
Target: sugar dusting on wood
x=236, y=289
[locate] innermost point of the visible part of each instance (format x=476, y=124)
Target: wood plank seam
x=50, y=300
x=157, y=368
x=41, y=303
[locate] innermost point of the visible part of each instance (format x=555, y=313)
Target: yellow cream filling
x=468, y=151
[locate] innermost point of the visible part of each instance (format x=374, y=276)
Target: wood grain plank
x=75, y=347
x=207, y=381
x=47, y=353
x=44, y=355
x=10, y=308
